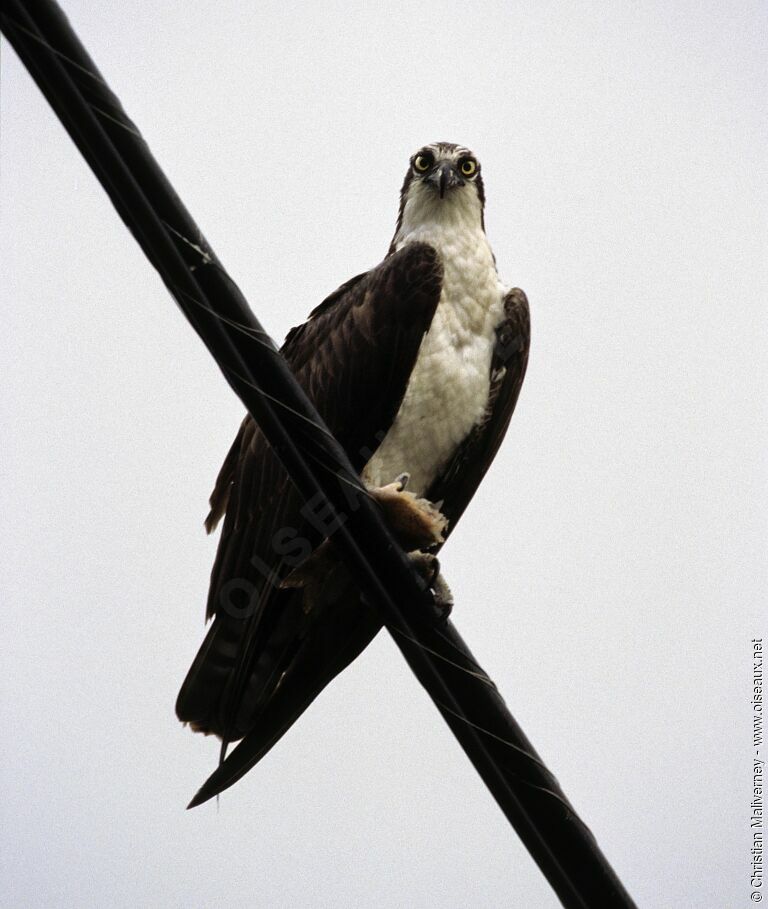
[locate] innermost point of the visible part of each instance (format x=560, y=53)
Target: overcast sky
x=609, y=574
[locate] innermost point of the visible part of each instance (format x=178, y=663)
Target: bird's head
x=443, y=184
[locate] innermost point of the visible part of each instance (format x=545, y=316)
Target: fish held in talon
x=414, y=521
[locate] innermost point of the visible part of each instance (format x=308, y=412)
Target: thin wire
x=247, y=330
x=534, y=759
x=341, y=473
x=120, y=123
x=40, y=40
x=205, y=256
x=242, y=379
x=480, y=676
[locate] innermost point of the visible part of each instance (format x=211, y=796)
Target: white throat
x=448, y=389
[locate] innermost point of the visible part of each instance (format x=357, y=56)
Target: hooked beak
x=445, y=177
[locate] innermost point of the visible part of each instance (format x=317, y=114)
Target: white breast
x=448, y=390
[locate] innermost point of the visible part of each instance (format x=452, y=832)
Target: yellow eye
x=468, y=167
x=422, y=163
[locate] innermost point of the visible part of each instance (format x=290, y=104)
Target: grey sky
x=611, y=571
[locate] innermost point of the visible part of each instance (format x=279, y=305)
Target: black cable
x=526, y=791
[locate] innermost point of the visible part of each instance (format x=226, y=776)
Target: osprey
x=416, y=367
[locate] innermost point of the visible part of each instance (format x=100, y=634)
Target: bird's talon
x=428, y=567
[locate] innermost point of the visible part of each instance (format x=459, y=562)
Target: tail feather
x=278, y=690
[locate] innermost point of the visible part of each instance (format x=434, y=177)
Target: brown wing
x=458, y=482
x=353, y=357
x=324, y=642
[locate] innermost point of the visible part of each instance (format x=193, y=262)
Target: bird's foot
x=428, y=567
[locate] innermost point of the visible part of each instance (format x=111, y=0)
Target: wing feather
x=460, y=479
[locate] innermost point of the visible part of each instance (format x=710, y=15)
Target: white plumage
x=448, y=390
